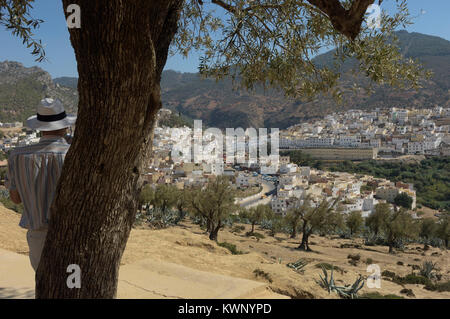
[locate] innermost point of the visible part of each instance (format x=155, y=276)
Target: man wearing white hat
x=34, y=170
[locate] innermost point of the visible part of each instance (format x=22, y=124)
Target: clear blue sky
x=61, y=59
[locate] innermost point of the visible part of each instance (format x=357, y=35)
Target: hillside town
x=354, y=135
x=357, y=134
x=386, y=133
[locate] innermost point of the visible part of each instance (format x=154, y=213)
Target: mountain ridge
x=21, y=89
x=218, y=105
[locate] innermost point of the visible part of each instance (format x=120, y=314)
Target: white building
x=242, y=180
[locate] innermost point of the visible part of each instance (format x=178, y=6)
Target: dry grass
x=187, y=245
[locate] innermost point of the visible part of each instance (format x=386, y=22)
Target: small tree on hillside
x=293, y=216
x=399, y=225
x=164, y=197
x=214, y=203
x=443, y=228
x=182, y=202
x=321, y=217
x=375, y=220
x=275, y=221
x=257, y=214
x=428, y=229
x=146, y=197
x=276, y=225
x=354, y=222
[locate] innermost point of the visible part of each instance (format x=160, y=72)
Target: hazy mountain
x=67, y=82
x=220, y=106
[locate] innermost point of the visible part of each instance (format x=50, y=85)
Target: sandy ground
x=187, y=246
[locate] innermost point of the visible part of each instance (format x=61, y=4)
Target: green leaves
x=15, y=16
x=273, y=44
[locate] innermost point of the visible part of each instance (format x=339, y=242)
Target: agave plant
x=428, y=269
x=347, y=291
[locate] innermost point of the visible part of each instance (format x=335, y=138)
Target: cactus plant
x=347, y=291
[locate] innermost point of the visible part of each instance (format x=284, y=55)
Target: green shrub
x=408, y=279
x=407, y=292
x=414, y=267
x=389, y=274
x=8, y=203
x=256, y=235
x=231, y=247
x=439, y=287
x=412, y=279
x=369, y=261
x=354, y=259
x=238, y=229
x=261, y=273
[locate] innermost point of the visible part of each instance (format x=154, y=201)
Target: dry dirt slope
x=187, y=246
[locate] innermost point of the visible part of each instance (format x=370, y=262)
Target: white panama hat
x=51, y=116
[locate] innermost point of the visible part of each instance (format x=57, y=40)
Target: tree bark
x=391, y=248
x=121, y=49
x=304, y=245
x=215, y=232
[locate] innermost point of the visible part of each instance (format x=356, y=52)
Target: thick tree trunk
x=215, y=232
x=121, y=49
x=391, y=249
x=304, y=245
x=208, y=225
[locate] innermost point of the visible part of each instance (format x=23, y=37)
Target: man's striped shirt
x=34, y=172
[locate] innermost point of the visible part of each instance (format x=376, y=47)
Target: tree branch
x=348, y=22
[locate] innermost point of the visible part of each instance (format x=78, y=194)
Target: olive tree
x=443, y=228
x=321, y=217
x=256, y=215
x=428, y=227
x=213, y=203
x=293, y=217
x=165, y=197
x=399, y=225
x=376, y=220
x=354, y=222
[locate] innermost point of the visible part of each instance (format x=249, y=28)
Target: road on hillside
x=267, y=187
